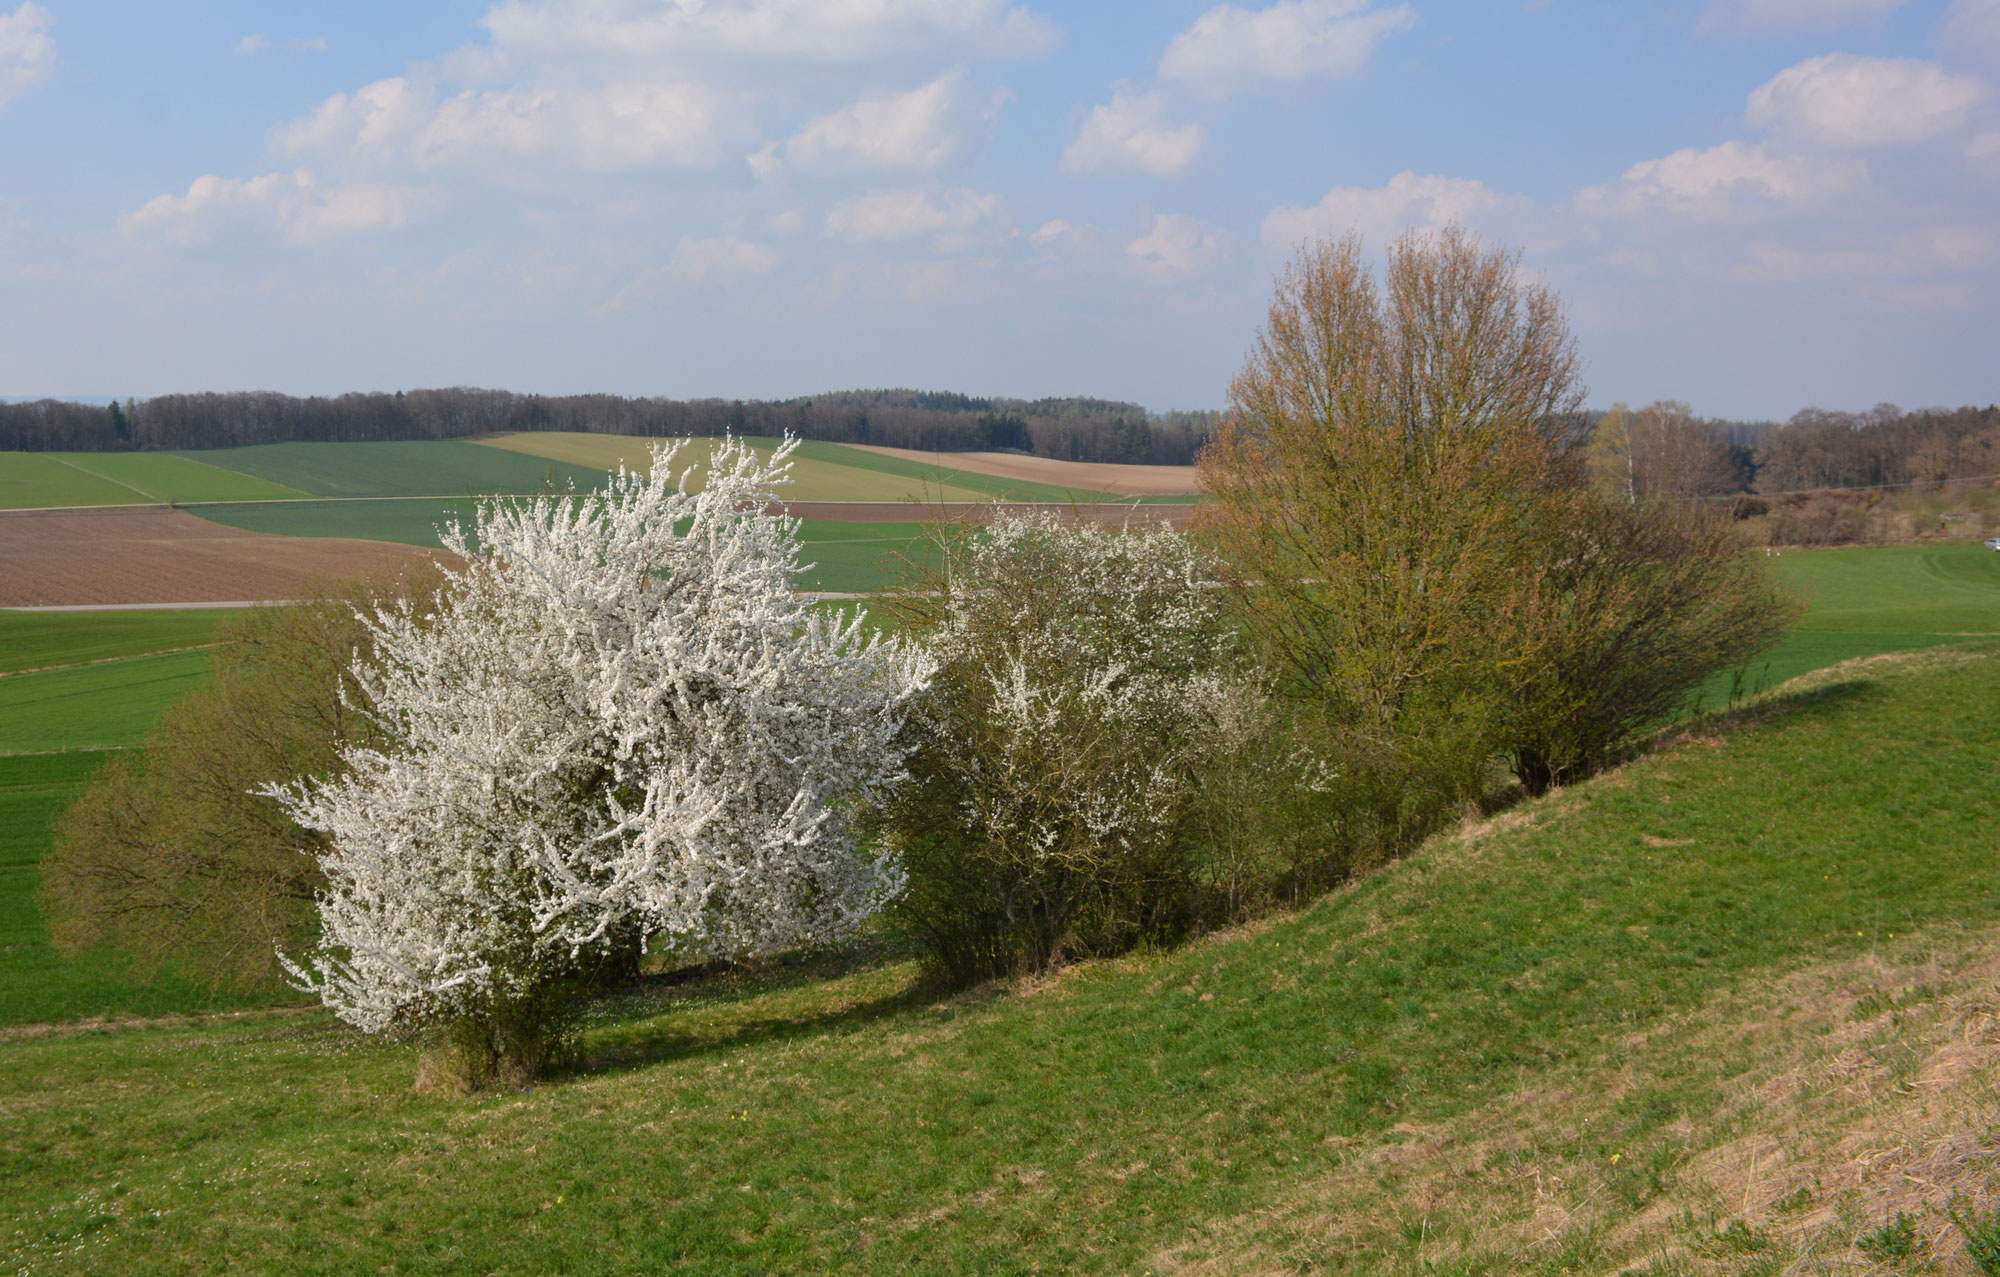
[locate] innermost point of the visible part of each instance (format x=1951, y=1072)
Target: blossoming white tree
x=1084, y=685
x=616, y=723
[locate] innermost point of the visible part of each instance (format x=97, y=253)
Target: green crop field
x=166, y=476
x=989, y=487
x=410, y=520
x=1256, y=1102
x=850, y=557
x=824, y=475
x=419, y=468
x=40, y=640
x=93, y=706
x=821, y=471
x=39, y=480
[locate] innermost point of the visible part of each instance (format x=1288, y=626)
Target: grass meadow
x=1212, y=1107
x=1543, y=1043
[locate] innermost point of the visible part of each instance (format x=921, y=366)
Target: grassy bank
x=1205, y=1108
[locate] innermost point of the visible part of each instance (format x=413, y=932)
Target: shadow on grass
x=658, y=1017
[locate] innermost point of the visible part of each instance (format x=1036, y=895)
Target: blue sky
x=1752, y=205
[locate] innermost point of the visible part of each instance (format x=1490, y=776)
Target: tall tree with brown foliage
x=1382, y=477
x=1404, y=514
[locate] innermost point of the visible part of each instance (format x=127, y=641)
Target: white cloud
x=912, y=131
x=879, y=284
x=1845, y=100
x=309, y=44
x=1071, y=241
x=26, y=49
x=1231, y=50
x=296, y=205
x=622, y=125
x=955, y=219
x=1172, y=247
x=253, y=43
x=1380, y=214
x=1726, y=182
x=810, y=30
x=1130, y=134
x=697, y=261
x=1897, y=255
x=1762, y=16
x=1971, y=28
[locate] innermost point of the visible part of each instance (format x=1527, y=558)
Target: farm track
x=150, y=555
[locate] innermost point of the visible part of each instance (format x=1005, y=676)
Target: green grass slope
x=40, y=640
x=1151, y=1113
x=418, y=468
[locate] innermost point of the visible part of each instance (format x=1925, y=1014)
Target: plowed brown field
x=168, y=556
x=1091, y=476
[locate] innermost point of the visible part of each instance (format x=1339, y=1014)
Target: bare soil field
x=1129, y=481
x=167, y=556
x=912, y=512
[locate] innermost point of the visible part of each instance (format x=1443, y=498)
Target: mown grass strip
x=1100, y=1123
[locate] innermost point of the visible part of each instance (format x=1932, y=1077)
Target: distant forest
x=1065, y=429
x=1664, y=450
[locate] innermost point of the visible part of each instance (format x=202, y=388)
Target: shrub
x=1053, y=807
x=617, y=725
x=167, y=856
x=1636, y=607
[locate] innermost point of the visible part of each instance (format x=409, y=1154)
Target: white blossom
x=615, y=723
x=1102, y=654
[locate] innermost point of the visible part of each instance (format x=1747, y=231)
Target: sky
x=1749, y=205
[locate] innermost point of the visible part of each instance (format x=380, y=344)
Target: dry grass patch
x=1779, y=1129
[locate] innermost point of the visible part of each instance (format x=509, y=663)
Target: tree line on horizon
x=1065, y=429
x=1663, y=451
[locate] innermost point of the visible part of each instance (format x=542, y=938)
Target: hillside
x=1704, y=1012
